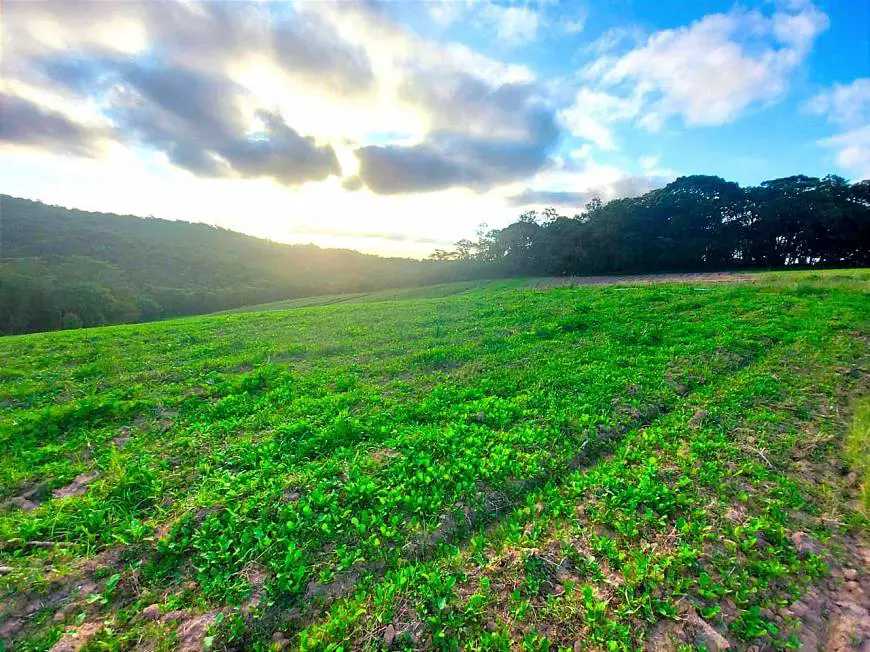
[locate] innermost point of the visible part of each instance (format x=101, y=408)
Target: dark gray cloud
x=311, y=46
x=176, y=96
x=630, y=186
x=25, y=123
x=204, y=35
x=420, y=168
x=485, y=135
x=280, y=153
x=193, y=116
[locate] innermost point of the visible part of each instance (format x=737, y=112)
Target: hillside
x=65, y=268
x=672, y=466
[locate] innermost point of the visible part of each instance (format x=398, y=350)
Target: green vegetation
x=491, y=466
x=62, y=268
x=858, y=447
x=695, y=223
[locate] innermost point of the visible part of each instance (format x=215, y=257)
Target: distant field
x=402, y=294
x=548, y=283
x=471, y=465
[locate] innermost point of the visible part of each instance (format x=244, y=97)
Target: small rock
x=290, y=496
x=151, y=612
x=172, y=616
x=853, y=587
x=491, y=627
x=736, y=514
x=804, y=543
x=5, y=570
x=711, y=639
x=22, y=503
x=698, y=418
x=799, y=609
x=10, y=626
x=849, y=574
x=77, y=487
x=852, y=479
x=389, y=635
x=279, y=640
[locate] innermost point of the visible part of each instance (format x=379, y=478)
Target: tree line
x=64, y=268
x=694, y=223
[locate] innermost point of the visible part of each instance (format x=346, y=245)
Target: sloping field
x=440, y=290
x=493, y=468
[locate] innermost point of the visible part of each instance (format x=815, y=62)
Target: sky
x=397, y=128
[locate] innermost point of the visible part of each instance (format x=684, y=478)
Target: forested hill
x=694, y=223
x=62, y=268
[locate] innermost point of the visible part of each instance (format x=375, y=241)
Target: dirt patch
x=257, y=576
x=20, y=502
x=77, y=638
x=192, y=631
x=835, y=615
x=405, y=628
x=381, y=456
x=697, y=419
x=700, y=277
x=29, y=499
x=124, y=435
x=340, y=586
x=690, y=631
x=65, y=596
x=77, y=487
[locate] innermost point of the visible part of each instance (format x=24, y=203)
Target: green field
x=460, y=467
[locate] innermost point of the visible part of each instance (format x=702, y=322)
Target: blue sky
x=396, y=128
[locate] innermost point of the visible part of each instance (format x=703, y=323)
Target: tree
x=695, y=222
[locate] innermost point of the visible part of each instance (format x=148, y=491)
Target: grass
x=482, y=465
x=858, y=447
x=402, y=294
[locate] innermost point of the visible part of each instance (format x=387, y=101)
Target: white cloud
x=592, y=113
x=711, y=71
x=649, y=162
x=612, y=39
x=853, y=151
x=445, y=13
x=513, y=25
x=576, y=23
x=574, y=26
x=846, y=104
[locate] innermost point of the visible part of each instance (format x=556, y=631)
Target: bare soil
x=698, y=277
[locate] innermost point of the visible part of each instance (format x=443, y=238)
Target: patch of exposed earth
x=696, y=277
